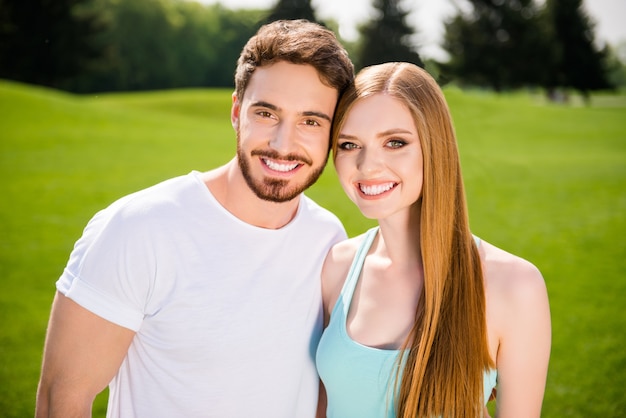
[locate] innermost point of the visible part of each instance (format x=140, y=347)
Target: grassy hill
x=545, y=182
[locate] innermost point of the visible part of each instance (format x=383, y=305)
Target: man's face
x=283, y=129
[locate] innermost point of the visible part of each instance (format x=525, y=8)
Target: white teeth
x=280, y=167
x=377, y=189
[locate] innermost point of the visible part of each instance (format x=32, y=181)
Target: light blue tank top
x=359, y=379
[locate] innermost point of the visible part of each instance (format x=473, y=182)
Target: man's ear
x=234, y=111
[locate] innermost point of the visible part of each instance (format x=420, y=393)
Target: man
x=200, y=296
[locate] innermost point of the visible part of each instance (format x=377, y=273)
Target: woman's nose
x=369, y=161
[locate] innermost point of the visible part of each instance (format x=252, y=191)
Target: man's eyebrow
x=264, y=104
x=317, y=114
x=267, y=105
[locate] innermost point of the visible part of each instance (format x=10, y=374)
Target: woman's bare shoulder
x=339, y=258
x=511, y=281
x=344, y=251
x=336, y=267
x=508, y=269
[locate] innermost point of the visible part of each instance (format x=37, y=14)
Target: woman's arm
x=524, y=331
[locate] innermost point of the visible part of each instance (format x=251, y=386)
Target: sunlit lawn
x=547, y=182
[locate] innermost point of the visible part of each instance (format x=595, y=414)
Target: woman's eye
x=347, y=146
x=396, y=143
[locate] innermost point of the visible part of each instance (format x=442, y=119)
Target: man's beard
x=275, y=190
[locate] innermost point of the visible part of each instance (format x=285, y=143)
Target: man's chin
x=275, y=193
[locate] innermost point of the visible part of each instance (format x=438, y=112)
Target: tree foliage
x=292, y=9
x=165, y=44
x=501, y=44
x=157, y=44
x=616, y=64
x=112, y=45
x=387, y=37
x=505, y=44
x=580, y=64
x=47, y=42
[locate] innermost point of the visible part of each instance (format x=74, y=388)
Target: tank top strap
x=345, y=297
x=476, y=240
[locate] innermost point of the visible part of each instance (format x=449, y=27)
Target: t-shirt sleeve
x=110, y=268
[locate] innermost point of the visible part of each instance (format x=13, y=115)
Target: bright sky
x=427, y=18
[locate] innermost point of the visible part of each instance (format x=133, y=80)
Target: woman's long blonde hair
x=447, y=347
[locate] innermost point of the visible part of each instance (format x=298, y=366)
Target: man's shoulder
x=317, y=213
x=147, y=203
x=317, y=209
x=321, y=219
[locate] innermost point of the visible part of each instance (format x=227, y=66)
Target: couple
x=201, y=296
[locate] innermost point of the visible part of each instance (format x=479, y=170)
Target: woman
x=421, y=317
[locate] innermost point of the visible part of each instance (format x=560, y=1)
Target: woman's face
x=379, y=157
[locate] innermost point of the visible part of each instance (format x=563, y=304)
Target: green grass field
x=546, y=182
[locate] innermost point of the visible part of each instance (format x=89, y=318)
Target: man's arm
x=82, y=353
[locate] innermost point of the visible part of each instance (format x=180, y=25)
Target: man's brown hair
x=298, y=42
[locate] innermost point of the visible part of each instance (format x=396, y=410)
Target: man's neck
x=229, y=188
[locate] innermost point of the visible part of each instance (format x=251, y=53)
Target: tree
x=292, y=9
x=387, y=37
x=159, y=44
x=501, y=44
x=235, y=28
x=580, y=64
x=47, y=42
x=616, y=65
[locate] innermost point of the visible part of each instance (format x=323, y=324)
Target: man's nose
x=283, y=138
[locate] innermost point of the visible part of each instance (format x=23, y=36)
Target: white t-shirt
x=227, y=315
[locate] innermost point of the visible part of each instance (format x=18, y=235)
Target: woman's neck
x=399, y=238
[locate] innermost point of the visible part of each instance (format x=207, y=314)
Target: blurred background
x=88, y=46
x=101, y=98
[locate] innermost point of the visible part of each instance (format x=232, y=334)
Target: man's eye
x=264, y=114
x=311, y=122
